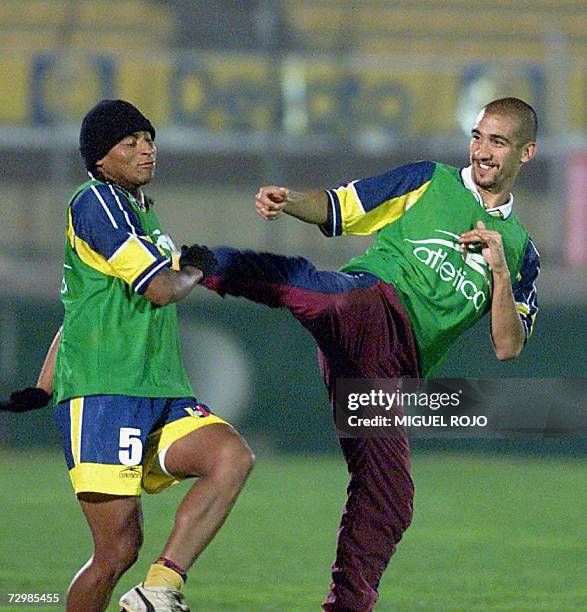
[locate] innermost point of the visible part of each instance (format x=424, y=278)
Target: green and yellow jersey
x=419, y=211
x=114, y=340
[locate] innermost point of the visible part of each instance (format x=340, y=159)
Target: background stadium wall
x=258, y=367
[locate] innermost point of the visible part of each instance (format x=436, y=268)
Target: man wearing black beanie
x=106, y=125
x=127, y=414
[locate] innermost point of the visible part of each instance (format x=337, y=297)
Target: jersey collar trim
x=140, y=201
x=503, y=211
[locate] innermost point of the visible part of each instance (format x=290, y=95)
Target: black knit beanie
x=106, y=125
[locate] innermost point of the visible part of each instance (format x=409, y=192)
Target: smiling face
x=496, y=152
x=131, y=162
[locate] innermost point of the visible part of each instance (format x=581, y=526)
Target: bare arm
x=45, y=380
x=507, y=329
x=310, y=206
x=170, y=286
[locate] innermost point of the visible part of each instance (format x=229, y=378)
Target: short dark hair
x=520, y=110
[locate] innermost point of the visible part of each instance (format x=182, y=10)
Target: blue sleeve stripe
x=121, y=207
x=336, y=222
x=333, y=213
x=118, y=211
x=104, y=206
x=333, y=225
x=142, y=282
x=336, y=213
x=372, y=192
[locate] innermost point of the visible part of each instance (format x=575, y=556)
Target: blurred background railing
x=299, y=92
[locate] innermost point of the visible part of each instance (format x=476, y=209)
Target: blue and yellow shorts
x=116, y=444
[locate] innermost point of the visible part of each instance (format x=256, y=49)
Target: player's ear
x=528, y=152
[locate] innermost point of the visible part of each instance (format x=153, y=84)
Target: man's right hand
x=310, y=206
x=31, y=398
x=270, y=202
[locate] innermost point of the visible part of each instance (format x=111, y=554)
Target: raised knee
x=235, y=459
x=239, y=457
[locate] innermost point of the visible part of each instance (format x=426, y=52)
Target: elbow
x=508, y=353
x=505, y=355
x=508, y=346
x=161, y=298
x=163, y=289
x=160, y=302
x=168, y=287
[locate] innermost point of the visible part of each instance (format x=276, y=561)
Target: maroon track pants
x=362, y=331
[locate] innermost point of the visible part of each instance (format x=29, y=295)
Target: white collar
x=503, y=211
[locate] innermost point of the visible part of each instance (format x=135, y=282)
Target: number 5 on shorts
x=131, y=447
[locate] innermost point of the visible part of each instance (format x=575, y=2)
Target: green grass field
x=501, y=533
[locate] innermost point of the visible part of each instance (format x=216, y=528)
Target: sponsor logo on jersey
x=131, y=472
x=434, y=253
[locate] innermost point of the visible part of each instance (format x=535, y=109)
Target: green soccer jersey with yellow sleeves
x=114, y=340
x=418, y=212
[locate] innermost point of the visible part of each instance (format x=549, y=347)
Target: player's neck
x=493, y=200
x=134, y=191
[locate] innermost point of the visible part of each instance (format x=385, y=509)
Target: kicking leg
x=362, y=332
x=313, y=296
x=276, y=280
x=260, y=277
x=116, y=524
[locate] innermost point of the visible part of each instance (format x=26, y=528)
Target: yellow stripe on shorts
x=109, y=479
x=76, y=414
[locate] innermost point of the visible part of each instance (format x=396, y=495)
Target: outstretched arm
x=507, y=330
x=169, y=286
x=353, y=208
x=310, y=206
